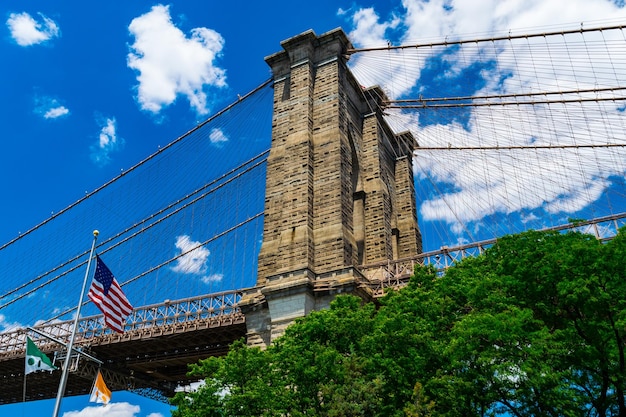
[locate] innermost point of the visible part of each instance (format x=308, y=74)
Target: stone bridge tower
x=339, y=192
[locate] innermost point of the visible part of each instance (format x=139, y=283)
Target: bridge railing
x=213, y=310
x=396, y=273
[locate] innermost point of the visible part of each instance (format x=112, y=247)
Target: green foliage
x=536, y=326
x=240, y=384
x=420, y=406
x=321, y=356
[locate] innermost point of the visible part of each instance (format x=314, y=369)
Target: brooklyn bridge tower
x=339, y=191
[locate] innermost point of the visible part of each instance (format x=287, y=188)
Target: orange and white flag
x=100, y=393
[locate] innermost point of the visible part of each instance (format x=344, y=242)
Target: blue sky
x=75, y=112
x=91, y=88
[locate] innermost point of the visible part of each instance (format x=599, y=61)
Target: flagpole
x=24, y=390
x=70, y=344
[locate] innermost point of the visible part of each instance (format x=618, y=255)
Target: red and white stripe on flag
x=108, y=296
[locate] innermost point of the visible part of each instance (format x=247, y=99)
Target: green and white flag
x=36, y=360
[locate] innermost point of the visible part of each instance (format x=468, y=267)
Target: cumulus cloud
x=26, y=31
x=370, y=32
x=474, y=185
x=341, y=11
x=170, y=64
x=217, y=137
x=50, y=108
x=192, y=387
x=56, y=112
x=7, y=326
x=123, y=409
x=209, y=279
x=195, y=256
x=194, y=260
x=108, y=141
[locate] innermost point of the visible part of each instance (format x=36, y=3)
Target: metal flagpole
x=70, y=344
x=24, y=389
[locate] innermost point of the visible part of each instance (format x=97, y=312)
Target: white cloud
x=50, y=108
x=56, y=112
x=192, y=387
x=26, y=31
x=208, y=279
x=194, y=260
x=170, y=64
x=7, y=326
x=108, y=141
x=368, y=30
x=123, y=409
x=399, y=75
x=478, y=184
x=342, y=12
x=217, y=137
x=195, y=256
x=529, y=218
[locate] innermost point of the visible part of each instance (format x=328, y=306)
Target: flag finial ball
x=96, y=233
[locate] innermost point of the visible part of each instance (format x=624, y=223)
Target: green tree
x=541, y=330
x=242, y=383
x=420, y=406
x=319, y=357
x=536, y=326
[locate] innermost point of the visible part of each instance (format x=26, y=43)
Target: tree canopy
x=535, y=326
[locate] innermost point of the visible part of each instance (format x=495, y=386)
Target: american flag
x=106, y=293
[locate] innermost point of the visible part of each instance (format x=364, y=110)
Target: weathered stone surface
x=339, y=188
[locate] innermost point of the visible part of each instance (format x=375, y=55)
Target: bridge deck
x=159, y=341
